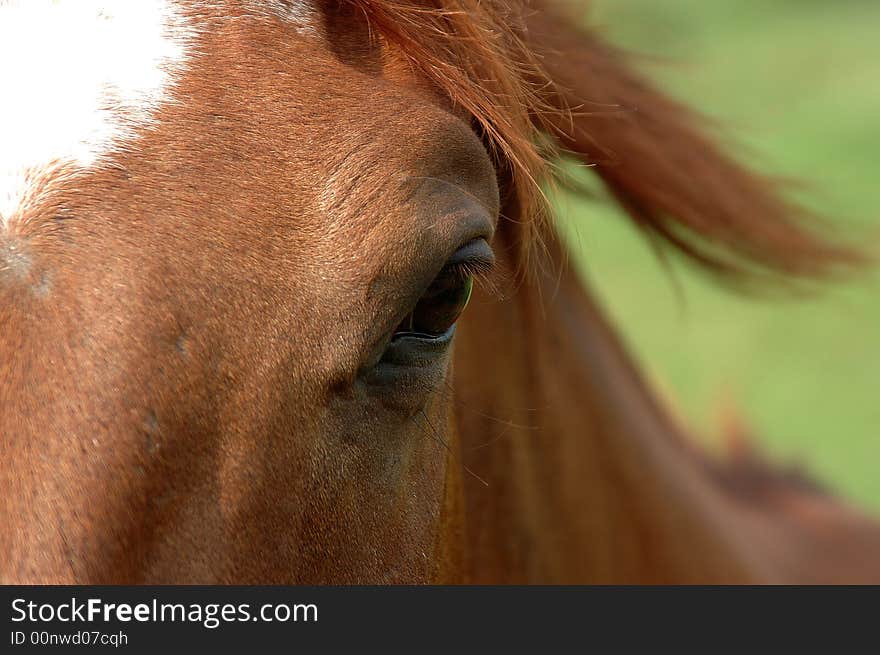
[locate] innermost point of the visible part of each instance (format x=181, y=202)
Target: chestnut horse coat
x=222, y=227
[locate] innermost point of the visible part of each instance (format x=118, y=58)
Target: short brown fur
x=187, y=335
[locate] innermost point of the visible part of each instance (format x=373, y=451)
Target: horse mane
x=525, y=74
x=746, y=473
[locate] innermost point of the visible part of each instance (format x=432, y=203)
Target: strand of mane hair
x=657, y=160
x=529, y=70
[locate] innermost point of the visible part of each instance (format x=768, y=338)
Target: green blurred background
x=796, y=84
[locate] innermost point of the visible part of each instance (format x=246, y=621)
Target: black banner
x=463, y=619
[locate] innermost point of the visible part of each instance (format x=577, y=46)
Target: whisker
x=452, y=453
x=496, y=419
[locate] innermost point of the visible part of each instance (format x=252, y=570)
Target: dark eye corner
x=439, y=307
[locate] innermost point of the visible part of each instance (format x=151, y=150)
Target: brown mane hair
x=502, y=61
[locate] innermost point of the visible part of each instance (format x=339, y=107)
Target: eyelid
x=474, y=258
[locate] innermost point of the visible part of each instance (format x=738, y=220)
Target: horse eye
x=440, y=306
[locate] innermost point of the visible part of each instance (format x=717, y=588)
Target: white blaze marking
x=78, y=79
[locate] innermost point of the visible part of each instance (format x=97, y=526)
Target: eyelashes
x=442, y=303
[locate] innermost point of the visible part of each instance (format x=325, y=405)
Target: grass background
x=796, y=84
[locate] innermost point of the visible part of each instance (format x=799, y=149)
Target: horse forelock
x=525, y=72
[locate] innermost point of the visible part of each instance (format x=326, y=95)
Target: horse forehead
x=81, y=79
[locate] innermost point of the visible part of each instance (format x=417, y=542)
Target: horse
x=281, y=301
